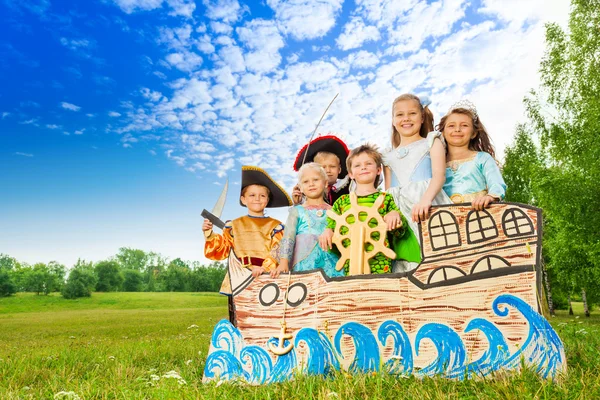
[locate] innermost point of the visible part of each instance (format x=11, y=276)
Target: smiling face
x=364, y=169
x=407, y=119
x=312, y=183
x=256, y=198
x=458, y=130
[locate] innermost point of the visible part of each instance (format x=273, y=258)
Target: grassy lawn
x=123, y=346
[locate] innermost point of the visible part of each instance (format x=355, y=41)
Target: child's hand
x=482, y=202
x=393, y=220
x=257, y=271
x=296, y=195
x=325, y=239
x=420, y=211
x=207, y=225
x=283, y=267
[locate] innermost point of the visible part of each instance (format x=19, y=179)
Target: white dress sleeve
x=431, y=136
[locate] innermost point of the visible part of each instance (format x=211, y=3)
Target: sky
x=120, y=120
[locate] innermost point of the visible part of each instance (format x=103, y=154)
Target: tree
x=132, y=259
x=176, y=277
x=108, y=275
x=81, y=281
x=564, y=114
x=38, y=279
x=132, y=280
x=57, y=273
x=7, y=285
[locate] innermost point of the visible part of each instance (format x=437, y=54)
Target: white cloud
x=5, y=114
x=185, y=61
x=362, y=60
x=184, y=8
x=264, y=40
x=53, y=126
x=204, y=44
x=24, y=154
x=225, y=10
x=232, y=57
x=76, y=44
x=356, y=33
x=306, y=19
x=114, y=114
x=80, y=131
x=220, y=28
x=69, y=106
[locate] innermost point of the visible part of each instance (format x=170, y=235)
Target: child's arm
x=387, y=176
x=437, y=153
x=495, y=184
x=287, y=244
x=217, y=247
x=325, y=238
x=270, y=262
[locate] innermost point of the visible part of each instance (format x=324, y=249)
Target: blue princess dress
x=300, y=243
x=473, y=177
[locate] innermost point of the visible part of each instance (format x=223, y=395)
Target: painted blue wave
x=322, y=358
x=497, y=352
x=366, y=350
x=542, y=349
x=401, y=361
x=231, y=359
x=450, y=360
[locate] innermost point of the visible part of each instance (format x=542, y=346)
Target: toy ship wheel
x=356, y=236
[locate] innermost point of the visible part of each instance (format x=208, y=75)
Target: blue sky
x=121, y=119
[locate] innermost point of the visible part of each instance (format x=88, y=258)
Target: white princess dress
x=411, y=168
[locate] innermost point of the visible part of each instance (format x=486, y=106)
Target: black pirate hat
x=257, y=176
x=328, y=143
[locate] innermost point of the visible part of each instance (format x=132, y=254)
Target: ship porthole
x=269, y=294
x=296, y=294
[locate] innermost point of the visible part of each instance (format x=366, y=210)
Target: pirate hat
x=328, y=143
x=257, y=176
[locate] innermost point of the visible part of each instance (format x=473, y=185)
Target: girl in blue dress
x=472, y=172
x=299, y=248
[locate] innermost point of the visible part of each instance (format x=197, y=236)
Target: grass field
x=153, y=346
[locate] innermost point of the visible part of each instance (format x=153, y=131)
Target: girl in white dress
x=417, y=160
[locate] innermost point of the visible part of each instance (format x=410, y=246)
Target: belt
x=258, y=262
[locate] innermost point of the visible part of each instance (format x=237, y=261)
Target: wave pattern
x=230, y=359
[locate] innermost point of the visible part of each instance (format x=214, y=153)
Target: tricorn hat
x=328, y=143
x=258, y=176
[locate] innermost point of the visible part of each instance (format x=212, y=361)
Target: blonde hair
x=426, y=125
x=313, y=166
x=326, y=154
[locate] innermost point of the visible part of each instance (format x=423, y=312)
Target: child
x=417, y=159
x=364, y=167
x=330, y=152
x=254, y=238
x=300, y=244
x=472, y=173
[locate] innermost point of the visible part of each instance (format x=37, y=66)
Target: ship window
x=443, y=231
x=489, y=263
x=480, y=227
x=445, y=273
x=516, y=223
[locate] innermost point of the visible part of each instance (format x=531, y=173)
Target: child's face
x=364, y=170
x=458, y=130
x=331, y=165
x=312, y=184
x=407, y=118
x=256, y=199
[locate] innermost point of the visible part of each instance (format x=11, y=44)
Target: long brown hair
x=426, y=126
x=481, y=141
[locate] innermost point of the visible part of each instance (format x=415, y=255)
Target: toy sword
x=215, y=215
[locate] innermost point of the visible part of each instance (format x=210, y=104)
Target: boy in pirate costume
x=330, y=152
x=254, y=238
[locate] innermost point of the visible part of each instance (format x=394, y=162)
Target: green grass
x=114, y=345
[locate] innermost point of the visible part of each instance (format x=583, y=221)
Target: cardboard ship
x=472, y=307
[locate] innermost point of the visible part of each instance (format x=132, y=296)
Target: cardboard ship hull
x=471, y=308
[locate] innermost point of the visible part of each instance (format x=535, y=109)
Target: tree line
x=554, y=161
x=130, y=270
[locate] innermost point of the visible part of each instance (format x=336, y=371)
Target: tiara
x=467, y=105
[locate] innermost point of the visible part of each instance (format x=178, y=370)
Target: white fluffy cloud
x=224, y=10
x=177, y=7
x=69, y=106
x=306, y=19
x=356, y=33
